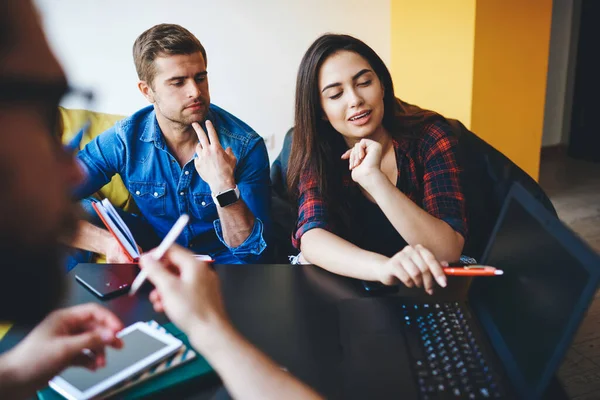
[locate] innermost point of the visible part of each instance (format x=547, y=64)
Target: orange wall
x=432, y=44
x=512, y=40
x=483, y=62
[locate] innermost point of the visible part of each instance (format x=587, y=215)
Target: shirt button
x=187, y=172
x=137, y=192
x=155, y=194
x=181, y=193
x=203, y=203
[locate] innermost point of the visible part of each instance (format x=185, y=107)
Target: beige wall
x=254, y=48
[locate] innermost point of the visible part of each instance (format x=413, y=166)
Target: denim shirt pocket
x=204, y=207
x=150, y=197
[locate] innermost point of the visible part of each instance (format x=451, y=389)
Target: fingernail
x=445, y=263
x=107, y=336
x=443, y=282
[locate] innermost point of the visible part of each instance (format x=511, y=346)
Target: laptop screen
x=532, y=311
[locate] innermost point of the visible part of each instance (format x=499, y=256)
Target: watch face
x=227, y=198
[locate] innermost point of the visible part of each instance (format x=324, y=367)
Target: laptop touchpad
x=375, y=358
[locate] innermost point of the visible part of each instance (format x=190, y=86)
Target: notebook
x=118, y=228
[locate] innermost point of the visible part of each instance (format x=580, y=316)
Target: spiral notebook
x=179, y=368
x=184, y=355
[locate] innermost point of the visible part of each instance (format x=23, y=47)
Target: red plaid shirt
x=428, y=173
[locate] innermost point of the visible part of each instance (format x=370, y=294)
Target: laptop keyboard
x=448, y=362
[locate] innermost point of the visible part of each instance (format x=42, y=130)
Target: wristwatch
x=226, y=197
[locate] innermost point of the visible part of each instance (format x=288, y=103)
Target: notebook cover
x=108, y=226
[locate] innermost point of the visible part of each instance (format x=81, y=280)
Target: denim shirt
x=135, y=149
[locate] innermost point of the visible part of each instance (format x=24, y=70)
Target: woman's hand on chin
x=364, y=161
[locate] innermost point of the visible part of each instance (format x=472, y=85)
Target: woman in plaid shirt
x=376, y=180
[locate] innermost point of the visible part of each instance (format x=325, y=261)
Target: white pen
x=161, y=250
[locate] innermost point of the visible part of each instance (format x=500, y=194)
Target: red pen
x=472, y=270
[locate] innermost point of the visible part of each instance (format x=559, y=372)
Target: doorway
x=584, y=130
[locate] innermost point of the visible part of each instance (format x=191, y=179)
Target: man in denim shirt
x=182, y=155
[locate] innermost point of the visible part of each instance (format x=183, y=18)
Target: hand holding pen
x=161, y=250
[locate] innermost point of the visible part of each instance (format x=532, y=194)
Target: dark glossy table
x=289, y=312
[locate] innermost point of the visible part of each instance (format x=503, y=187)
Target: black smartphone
x=106, y=280
x=376, y=288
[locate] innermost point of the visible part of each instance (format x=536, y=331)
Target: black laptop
x=505, y=340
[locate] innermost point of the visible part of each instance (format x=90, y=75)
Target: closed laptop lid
x=532, y=312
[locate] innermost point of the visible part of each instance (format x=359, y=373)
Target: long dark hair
x=317, y=146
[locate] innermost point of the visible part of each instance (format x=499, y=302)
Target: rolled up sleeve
x=312, y=210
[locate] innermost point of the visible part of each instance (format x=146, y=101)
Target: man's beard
x=186, y=120
x=32, y=281
x=181, y=117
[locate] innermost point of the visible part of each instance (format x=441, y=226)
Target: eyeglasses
x=45, y=97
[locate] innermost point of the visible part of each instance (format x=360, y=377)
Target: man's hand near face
x=216, y=167
x=214, y=164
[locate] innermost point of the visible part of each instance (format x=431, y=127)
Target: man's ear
x=146, y=91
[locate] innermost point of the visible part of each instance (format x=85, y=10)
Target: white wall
x=253, y=47
x=558, y=67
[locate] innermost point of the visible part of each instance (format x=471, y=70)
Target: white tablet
x=143, y=346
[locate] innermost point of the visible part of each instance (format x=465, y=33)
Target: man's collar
x=152, y=132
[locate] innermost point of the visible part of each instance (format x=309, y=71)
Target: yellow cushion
x=71, y=121
x=4, y=327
